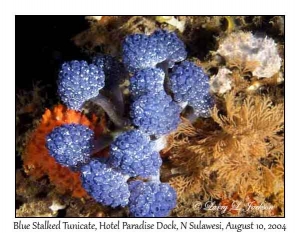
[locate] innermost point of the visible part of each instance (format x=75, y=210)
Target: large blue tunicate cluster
x=146, y=81
x=78, y=82
x=133, y=154
x=151, y=199
x=190, y=84
x=141, y=51
x=104, y=184
x=155, y=113
x=156, y=92
x=70, y=144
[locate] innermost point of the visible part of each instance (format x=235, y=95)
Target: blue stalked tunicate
x=190, y=85
x=78, y=82
x=70, y=144
x=155, y=113
x=146, y=81
x=141, y=51
x=133, y=154
x=106, y=185
x=151, y=199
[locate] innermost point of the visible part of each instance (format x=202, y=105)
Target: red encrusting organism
x=38, y=162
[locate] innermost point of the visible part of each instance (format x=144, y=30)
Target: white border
x=239, y=7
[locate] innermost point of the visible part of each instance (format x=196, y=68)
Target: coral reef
x=190, y=111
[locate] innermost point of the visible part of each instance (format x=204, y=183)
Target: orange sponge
x=38, y=162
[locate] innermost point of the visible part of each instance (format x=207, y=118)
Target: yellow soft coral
x=38, y=162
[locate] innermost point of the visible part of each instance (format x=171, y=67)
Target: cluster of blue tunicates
x=161, y=83
x=157, y=99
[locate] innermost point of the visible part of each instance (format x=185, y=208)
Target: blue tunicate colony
x=156, y=100
x=78, y=81
x=133, y=155
x=71, y=144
